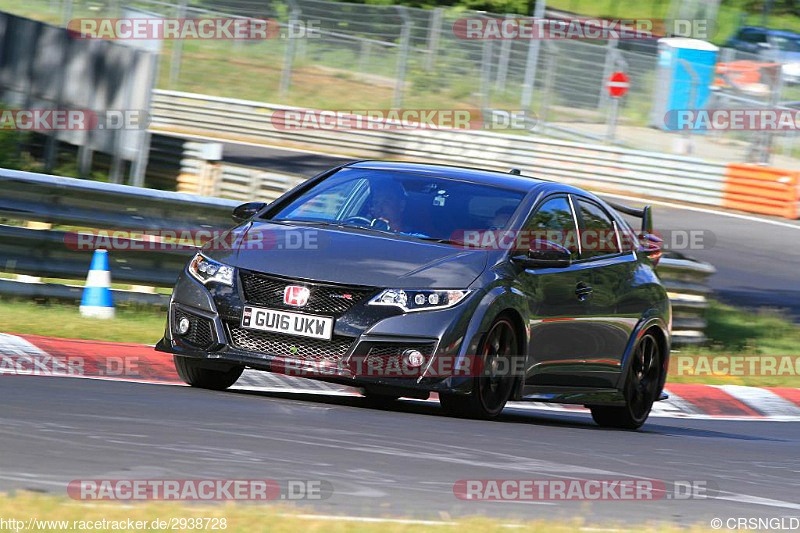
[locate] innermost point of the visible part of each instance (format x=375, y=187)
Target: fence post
x=552, y=51
x=288, y=60
x=402, y=57
x=502, y=66
x=434, y=31
x=608, y=66
x=686, y=145
x=614, y=114
x=486, y=74
x=66, y=13
x=363, y=56
x=531, y=63
x=177, y=50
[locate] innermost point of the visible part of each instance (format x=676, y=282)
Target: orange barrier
x=765, y=190
x=745, y=72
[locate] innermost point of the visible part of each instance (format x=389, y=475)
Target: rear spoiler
x=645, y=213
x=650, y=243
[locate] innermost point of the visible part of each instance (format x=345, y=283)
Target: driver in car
x=389, y=205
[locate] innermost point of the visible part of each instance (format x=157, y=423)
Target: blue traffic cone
x=96, y=301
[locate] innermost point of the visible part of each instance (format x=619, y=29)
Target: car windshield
x=423, y=206
x=787, y=44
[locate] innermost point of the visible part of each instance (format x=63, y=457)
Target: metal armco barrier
x=686, y=281
x=759, y=189
x=595, y=166
x=92, y=205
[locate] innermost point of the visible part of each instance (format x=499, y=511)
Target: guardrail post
x=402, y=57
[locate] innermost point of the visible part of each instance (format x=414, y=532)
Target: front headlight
x=419, y=300
x=205, y=271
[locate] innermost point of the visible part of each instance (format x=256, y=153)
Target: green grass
x=267, y=518
x=132, y=324
x=735, y=332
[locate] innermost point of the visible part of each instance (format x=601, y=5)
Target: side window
x=598, y=235
x=553, y=221
x=752, y=36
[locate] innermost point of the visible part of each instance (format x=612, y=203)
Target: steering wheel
x=358, y=220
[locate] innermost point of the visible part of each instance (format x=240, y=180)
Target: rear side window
x=751, y=36
x=598, y=234
x=553, y=221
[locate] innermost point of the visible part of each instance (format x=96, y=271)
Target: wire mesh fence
x=336, y=55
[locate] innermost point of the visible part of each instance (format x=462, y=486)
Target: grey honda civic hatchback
x=408, y=279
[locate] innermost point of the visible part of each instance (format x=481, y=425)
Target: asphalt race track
x=404, y=460
x=398, y=462
x=757, y=262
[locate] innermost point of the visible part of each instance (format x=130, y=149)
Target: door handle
x=583, y=291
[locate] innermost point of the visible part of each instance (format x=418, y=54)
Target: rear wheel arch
x=664, y=346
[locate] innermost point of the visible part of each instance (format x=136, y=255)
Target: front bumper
x=361, y=334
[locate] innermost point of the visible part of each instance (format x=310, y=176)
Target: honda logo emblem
x=296, y=295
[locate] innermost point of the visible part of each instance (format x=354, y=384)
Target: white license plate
x=300, y=324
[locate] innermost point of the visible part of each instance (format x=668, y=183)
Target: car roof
x=785, y=33
x=476, y=175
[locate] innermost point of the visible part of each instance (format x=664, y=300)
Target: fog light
x=414, y=358
x=183, y=326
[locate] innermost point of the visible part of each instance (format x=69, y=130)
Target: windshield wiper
x=436, y=240
x=333, y=224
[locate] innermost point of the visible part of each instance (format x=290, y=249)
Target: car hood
x=351, y=257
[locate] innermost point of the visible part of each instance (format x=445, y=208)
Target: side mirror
x=545, y=254
x=247, y=211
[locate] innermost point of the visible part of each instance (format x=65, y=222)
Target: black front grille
x=290, y=346
x=200, y=332
x=327, y=299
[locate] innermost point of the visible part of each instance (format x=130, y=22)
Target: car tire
x=192, y=373
x=489, y=393
x=641, y=389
